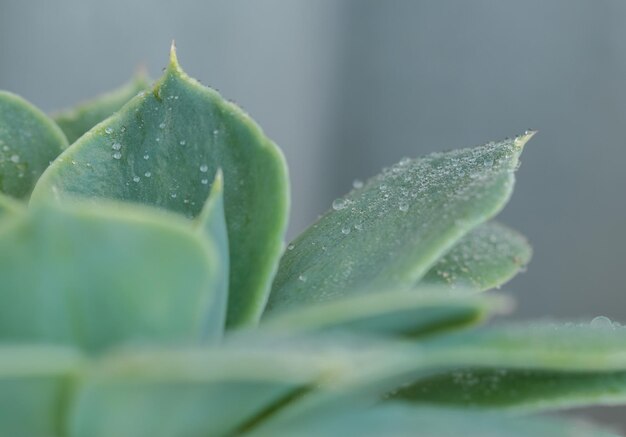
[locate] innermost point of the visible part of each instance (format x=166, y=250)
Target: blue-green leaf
x=164, y=149
x=99, y=275
x=76, y=121
x=487, y=257
x=34, y=385
x=388, y=233
x=29, y=140
x=404, y=312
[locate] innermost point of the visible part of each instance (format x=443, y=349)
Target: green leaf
x=171, y=143
x=76, y=121
x=29, y=140
x=192, y=392
x=404, y=312
x=212, y=223
x=519, y=390
x=96, y=275
x=388, y=233
x=34, y=381
x=9, y=207
x=487, y=257
x=527, y=369
x=402, y=421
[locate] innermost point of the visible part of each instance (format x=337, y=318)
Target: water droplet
x=403, y=206
x=173, y=195
x=136, y=179
x=291, y=246
x=108, y=131
x=162, y=126
x=158, y=139
x=182, y=142
x=215, y=132
x=602, y=322
x=5, y=148
x=146, y=157
x=357, y=183
x=117, y=155
x=339, y=204
x=358, y=226
x=204, y=181
x=204, y=168
x=147, y=174
x=15, y=158
x=116, y=146
x=302, y=278
x=345, y=230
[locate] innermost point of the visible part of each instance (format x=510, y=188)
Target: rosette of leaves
x=145, y=289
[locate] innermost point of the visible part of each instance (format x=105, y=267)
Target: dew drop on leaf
x=117, y=155
x=339, y=204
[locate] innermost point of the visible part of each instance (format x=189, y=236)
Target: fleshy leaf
x=76, y=121
x=487, y=257
x=403, y=421
x=164, y=149
x=527, y=369
x=99, y=275
x=196, y=392
x=29, y=140
x=34, y=381
x=519, y=390
x=404, y=312
x=388, y=233
x=211, y=222
x=9, y=207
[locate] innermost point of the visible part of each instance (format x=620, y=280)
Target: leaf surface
x=487, y=257
x=76, y=121
x=405, y=312
x=29, y=141
x=34, y=380
x=388, y=233
x=403, y=421
x=529, y=369
x=164, y=149
x=212, y=223
x=99, y=275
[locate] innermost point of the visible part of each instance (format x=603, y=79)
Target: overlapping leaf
x=392, y=230
x=100, y=275
x=403, y=421
x=164, y=148
x=29, y=140
x=528, y=369
x=34, y=385
x=485, y=258
x=76, y=121
x=406, y=312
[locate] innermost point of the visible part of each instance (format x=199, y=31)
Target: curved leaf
x=403, y=421
x=518, y=390
x=392, y=230
x=211, y=222
x=76, y=121
x=29, y=140
x=528, y=368
x=487, y=257
x=194, y=392
x=97, y=275
x=34, y=381
x=9, y=207
x=391, y=313
x=163, y=149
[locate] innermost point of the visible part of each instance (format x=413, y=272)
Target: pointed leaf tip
x=521, y=140
x=173, y=57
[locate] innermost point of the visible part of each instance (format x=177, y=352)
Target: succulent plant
x=145, y=289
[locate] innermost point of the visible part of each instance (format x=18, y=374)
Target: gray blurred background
x=347, y=87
